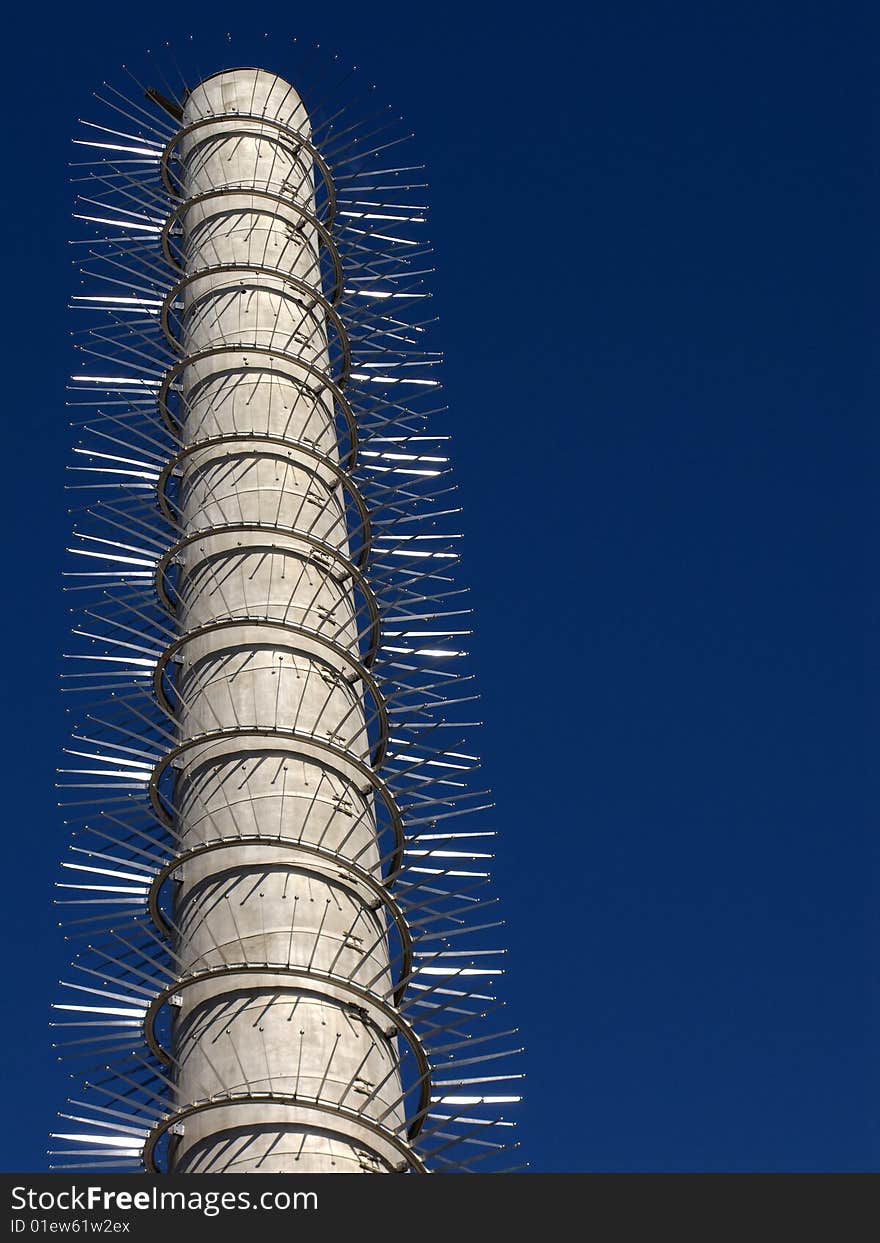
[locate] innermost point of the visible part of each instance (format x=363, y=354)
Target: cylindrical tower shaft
x=280, y=1034
x=292, y=950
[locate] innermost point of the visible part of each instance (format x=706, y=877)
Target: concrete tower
x=277, y=953
x=281, y=925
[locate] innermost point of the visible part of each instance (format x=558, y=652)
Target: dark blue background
x=651, y=223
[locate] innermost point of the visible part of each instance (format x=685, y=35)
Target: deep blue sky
x=652, y=224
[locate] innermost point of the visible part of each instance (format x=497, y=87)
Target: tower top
x=246, y=92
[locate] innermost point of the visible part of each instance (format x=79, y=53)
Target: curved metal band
x=319, y=745
x=300, y=139
x=359, y=996
x=350, y=569
x=325, y=237
x=411, y=1158
x=346, y=464
x=301, y=286
x=341, y=474
x=261, y=351
x=379, y=891
x=334, y=650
